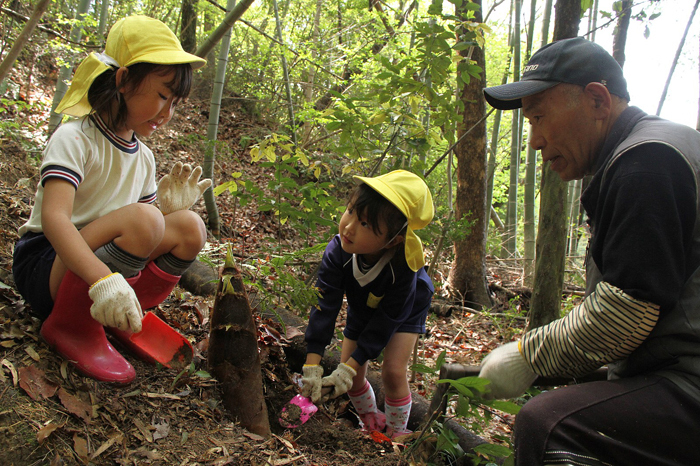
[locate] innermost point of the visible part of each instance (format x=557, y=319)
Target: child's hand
x=115, y=303
x=311, y=382
x=180, y=189
x=340, y=380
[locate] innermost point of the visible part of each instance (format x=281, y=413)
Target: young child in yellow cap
x=96, y=250
x=376, y=261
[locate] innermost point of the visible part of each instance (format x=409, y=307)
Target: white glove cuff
x=312, y=370
x=106, y=286
x=347, y=369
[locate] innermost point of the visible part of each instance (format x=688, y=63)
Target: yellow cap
x=409, y=193
x=134, y=39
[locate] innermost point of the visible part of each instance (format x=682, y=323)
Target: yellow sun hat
x=134, y=39
x=409, y=193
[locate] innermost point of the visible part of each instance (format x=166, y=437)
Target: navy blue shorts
x=31, y=267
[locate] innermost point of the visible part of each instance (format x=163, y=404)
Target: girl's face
x=358, y=237
x=149, y=106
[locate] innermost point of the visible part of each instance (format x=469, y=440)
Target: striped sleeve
x=148, y=199
x=606, y=327
x=57, y=171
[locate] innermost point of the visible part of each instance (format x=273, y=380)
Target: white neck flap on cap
x=364, y=278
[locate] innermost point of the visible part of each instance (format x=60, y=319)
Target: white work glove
x=340, y=380
x=115, y=304
x=180, y=189
x=311, y=381
x=509, y=373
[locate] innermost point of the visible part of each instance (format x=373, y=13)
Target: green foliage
x=471, y=407
x=20, y=130
x=285, y=284
x=301, y=202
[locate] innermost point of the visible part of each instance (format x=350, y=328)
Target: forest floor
x=49, y=414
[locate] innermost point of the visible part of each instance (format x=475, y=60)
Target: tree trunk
x=225, y=25
x=468, y=274
x=233, y=355
x=22, y=39
x=545, y=304
x=620, y=37
x=510, y=245
x=529, y=191
x=188, y=26
x=66, y=70
x=213, y=127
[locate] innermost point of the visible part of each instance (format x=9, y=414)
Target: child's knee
x=191, y=230
x=394, y=376
x=147, y=224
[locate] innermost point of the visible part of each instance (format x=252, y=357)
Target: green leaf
x=506, y=406
x=462, y=45
x=490, y=449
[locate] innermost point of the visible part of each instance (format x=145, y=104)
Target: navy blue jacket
x=397, y=300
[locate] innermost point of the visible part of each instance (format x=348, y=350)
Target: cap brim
x=169, y=57
x=508, y=96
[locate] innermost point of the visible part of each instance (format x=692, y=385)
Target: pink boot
x=75, y=335
x=153, y=286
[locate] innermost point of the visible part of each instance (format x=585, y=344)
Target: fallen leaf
x=162, y=428
x=75, y=405
x=80, y=447
x=292, y=332
x=144, y=430
x=32, y=353
x=34, y=382
x=64, y=370
x=12, y=370
x=252, y=436
x=47, y=430
x=117, y=437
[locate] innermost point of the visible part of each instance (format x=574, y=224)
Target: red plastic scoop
x=157, y=342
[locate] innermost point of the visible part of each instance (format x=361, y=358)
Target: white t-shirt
x=107, y=171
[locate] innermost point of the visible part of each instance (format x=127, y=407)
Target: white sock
x=397, y=412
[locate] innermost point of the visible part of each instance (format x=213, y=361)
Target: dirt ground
x=49, y=414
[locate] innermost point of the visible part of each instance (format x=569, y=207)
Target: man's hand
x=509, y=373
x=180, y=189
x=115, y=304
x=340, y=380
x=311, y=381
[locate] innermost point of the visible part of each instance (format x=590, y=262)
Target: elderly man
x=641, y=314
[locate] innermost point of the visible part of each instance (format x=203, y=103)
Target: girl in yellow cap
x=95, y=250
x=376, y=262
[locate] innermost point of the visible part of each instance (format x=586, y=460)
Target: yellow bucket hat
x=409, y=193
x=134, y=39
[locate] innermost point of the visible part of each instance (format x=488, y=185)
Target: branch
x=451, y=148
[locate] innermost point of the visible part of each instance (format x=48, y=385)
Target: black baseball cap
x=574, y=61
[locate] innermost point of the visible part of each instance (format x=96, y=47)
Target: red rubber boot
x=153, y=286
x=75, y=335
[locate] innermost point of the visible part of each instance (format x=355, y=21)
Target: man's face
x=564, y=128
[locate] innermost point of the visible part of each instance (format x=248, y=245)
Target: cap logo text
x=530, y=68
